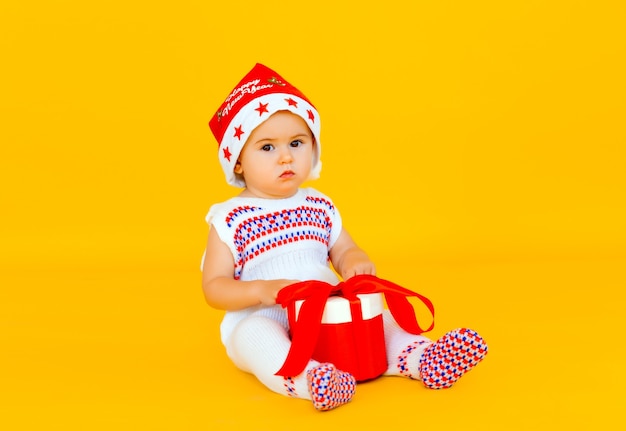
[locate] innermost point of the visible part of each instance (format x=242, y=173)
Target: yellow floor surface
x=129, y=349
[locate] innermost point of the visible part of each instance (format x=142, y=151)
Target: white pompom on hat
x=261, y=93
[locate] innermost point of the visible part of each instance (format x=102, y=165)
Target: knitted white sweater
x=277, y=238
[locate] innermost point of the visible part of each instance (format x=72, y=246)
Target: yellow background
x=476, y=150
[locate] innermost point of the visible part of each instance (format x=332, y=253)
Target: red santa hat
x=261, y=93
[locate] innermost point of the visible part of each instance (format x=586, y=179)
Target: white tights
x=260, y=342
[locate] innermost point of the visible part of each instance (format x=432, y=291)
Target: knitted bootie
x=446, y=360
x=329, y=387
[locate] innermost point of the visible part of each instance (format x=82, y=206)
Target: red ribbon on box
x=306, y=329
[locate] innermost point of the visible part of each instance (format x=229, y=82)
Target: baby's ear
x=237, y=169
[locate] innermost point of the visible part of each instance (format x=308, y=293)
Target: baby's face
x=277, y=156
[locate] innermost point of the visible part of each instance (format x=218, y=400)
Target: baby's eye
x=296, y=143
x=267, y=147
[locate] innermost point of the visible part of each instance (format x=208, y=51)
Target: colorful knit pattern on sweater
x=261, y=231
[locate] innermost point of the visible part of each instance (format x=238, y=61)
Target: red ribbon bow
x=314, y=294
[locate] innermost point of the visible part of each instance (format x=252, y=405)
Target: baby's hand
x=267, y=290
x=358, y=268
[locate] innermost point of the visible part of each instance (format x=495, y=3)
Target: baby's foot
x=329, y=387
x=446, y=360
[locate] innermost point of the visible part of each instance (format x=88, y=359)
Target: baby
x=275, y=233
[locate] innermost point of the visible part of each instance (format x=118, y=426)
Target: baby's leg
x=404, y=350
x=437, y=364
x=259, y=345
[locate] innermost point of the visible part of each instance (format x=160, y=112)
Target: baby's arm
x=349, y=259
x=222, y=291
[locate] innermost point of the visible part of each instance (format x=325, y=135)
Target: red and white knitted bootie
x=329, y=387
x=446, y=360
